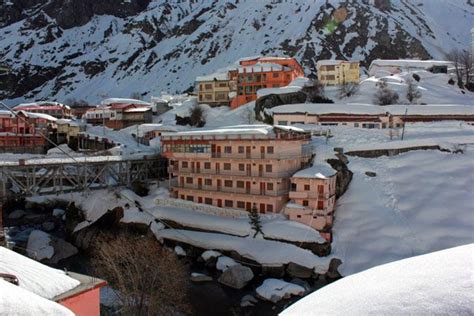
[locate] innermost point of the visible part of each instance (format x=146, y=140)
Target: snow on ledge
x=266, y=252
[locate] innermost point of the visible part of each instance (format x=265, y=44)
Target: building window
x=240, y=184
x=208, y=96
x=293, y=187
x=269, y=208
x=241, y=149
x=269, y=186
x=268, y=168
x=229, y=203
x=228, y=183
x=356, y=124
x=270, y=150
x=240, y=204
x=189, y=180
x=330, y=68
x=190, y=198
x=241, y=167
x=208, y=182
x=228, y=149
x=208, y=86
x=305, y=203
x=184, y=164
x=276, y=75
x=298, y=216
x=182, y=196
x=282, y=122
x=208, y=201
x=207, y=165
x=306, y=187
x=227, y=166
x=330, y=77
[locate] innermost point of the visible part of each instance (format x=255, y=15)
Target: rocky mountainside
x=91, y=49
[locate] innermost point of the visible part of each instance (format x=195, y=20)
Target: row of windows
x=227, y=203
x=188, y=148
x=307, y=187
x=229, y=183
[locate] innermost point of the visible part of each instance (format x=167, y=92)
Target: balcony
x=233, y=190
x=231, y=173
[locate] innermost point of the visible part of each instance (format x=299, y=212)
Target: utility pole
x=137, y=137
x=404, y=120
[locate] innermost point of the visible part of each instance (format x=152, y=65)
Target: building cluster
x=119, y=113
x=53, y=109
x=239, y=84
x=22, y=132
x=250, y=166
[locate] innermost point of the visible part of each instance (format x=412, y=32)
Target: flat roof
x=87, y=283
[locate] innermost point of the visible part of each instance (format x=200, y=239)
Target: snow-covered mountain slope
x=92, y=49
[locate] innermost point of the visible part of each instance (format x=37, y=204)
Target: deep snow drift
x=438, y=283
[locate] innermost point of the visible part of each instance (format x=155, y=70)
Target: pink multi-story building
x=237, y=166
x=313, y=198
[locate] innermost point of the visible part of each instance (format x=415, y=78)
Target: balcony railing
x=223, y=189
x=232, y=173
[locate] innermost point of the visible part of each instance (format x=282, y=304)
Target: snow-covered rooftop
x=328, y=62
x=412, y=63
x=123, y=101
x=262, y=67
x=438, y=283
x=217, y=76
x=239, y=130
x=15, y=300
x=361, y=109
x=34, y=276
x=317, y=170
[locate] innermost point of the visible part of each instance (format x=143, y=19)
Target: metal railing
x=224, y=189
x=232, y=173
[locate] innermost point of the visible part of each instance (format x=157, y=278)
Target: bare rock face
x=236, y=277
x=343, y=176
x=62, y=250
x=297, y=271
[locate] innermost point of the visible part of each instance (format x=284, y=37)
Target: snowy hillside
x=90, y=50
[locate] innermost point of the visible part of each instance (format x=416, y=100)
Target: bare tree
x=196, y=116
x=465, y=59
x=314, y=91
x=347, y=90
x=147, y=278
x=384, y=95
x=457, y=57
x=413, y=94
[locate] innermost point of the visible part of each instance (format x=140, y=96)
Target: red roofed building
x=23, y=132
x=54, y=109
x=120, y=113
x=262, y=72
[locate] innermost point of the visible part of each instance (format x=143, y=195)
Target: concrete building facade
x=238, y=166
x=338, y=72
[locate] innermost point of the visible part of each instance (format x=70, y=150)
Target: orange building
x=262, y=72
x=238, y=166
x=22, y=132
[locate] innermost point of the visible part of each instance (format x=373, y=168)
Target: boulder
x=199, y=277
x=224, y=263
x=248, y=301
x=301, y=283
x=274, y=272
x=48, y=226
x=296, y=271
x=58, y=212
x=62, y=250
x=180, y=251
x=370, y=174
x=333, y=273
x=236, y=277
x=16, y=214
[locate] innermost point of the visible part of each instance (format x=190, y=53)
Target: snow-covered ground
x=438, y=283
x=419, y=202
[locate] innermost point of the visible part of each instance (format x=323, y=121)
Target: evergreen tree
x=255, y=221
